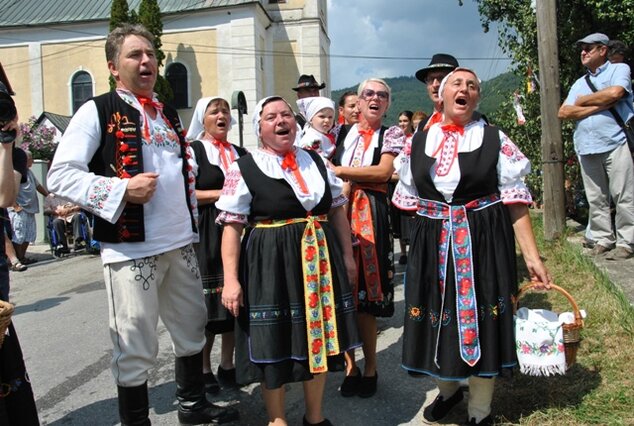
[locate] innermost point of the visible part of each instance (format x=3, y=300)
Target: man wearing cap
x=307, y=87
x=604, y=157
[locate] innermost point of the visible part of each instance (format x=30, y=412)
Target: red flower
x=468, y=336
x=315, y=324
x=124, y=147
x=316, y=346
x=127, y=160
x=310, y=253
x=125, y=233
x=313, y=300
x=323, y=266
x=119, y=134
x=461, y=234
x=327, y=312
x=125, y=175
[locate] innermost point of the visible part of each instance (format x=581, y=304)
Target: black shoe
x=415, y=373
x=193, y=407
x=487, y=421
x=402, y=260
x=367, y=387
x=133, y=405
x=227, y=378
x=350, y=385
x=211, y=384
x=324, y=422
x=440, y=408
x=206, y=413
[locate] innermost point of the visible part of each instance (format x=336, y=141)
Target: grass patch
x=599, y=388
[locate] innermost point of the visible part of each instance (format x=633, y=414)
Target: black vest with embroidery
x=120, y=154
x=478, y=169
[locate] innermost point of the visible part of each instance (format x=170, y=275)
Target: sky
x=363, y=29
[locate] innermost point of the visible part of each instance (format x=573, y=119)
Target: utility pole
x=552, y=146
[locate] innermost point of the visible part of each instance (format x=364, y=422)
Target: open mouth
x=146, y=73
x=221, y=124
x=374, y=107
x=282, y=132
x=461, y=101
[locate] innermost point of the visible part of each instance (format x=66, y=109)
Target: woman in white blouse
x=364, y=157
x=289, y=281
x=464, y=180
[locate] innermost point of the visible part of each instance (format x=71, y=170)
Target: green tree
x=150, y=17
x=119, y=13
x=517, y=29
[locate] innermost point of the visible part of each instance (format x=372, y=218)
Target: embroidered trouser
x=140, y=291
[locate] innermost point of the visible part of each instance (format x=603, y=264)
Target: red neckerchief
x=331, y=138
x=159, y=109
x=436, y=117
x=448, y=148
x=289, y=163
x=223, y=148
x=367, y=137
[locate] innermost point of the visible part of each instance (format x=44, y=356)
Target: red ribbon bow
x=448, y=128
x=289, y=163
x=147, y=101
x=223, y=148
x=367, y=137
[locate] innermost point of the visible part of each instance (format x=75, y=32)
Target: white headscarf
x=257, y=112
x=444, y=80
x=196, y=127
x=308, y=107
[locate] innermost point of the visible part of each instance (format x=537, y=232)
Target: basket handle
x=575, y=307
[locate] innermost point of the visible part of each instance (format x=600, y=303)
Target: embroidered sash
x=319, y=297
x=455, y=232
x=363, y=229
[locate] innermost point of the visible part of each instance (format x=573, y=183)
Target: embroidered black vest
x=120, y=154
x=478, y=169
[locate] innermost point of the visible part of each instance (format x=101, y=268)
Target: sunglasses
x=369, y=94
x=588, y=47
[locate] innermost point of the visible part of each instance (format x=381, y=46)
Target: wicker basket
x=572, y=332
x=6, y=309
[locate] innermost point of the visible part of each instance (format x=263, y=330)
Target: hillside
x=410, y=94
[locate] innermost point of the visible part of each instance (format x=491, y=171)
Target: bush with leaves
x=38, y=139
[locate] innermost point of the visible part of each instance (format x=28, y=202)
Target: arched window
x=82, y=89
x=176, y=75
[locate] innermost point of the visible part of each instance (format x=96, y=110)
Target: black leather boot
x=193, y=407
x=133, y=405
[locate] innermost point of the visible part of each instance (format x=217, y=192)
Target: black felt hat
x=440, y=61
x=308, y=81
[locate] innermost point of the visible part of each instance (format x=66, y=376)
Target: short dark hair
x=617, y=47
x=117, y=36
x=342, y=99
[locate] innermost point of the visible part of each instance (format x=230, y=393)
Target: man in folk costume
x=124, y=158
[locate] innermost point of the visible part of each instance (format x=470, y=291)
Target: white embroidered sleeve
x=336, y=187
x=235, y=198
x=512, y=167
x=405, y=195
x=69, y=176
x=393, y=140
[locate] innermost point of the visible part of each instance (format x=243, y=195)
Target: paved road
x=62, y=321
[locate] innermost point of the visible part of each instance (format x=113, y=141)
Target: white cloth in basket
x=539, y=341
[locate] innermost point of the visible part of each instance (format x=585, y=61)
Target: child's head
x=319, y=112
